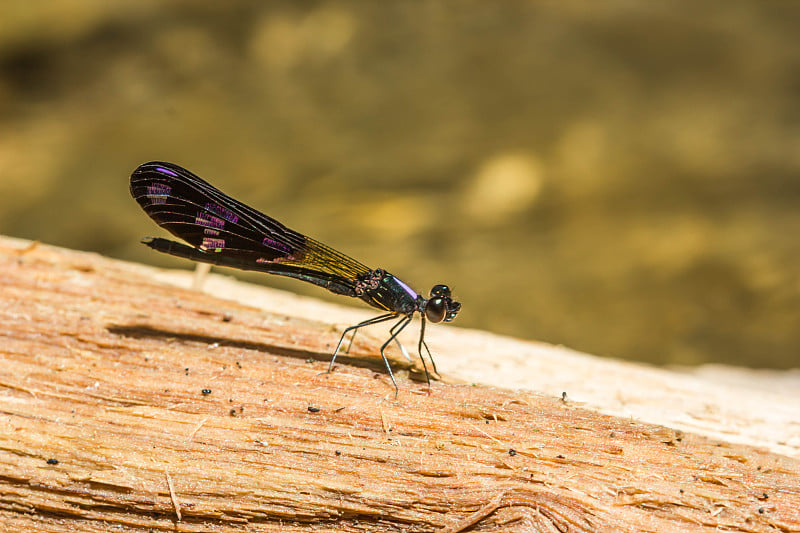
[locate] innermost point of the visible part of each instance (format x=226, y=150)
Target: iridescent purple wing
x=222, y=230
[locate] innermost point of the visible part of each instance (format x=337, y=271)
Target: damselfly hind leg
x=375, y=320
x=396, y=329
x=394, y=333
x=399, y=344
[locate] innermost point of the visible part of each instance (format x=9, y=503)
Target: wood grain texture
x=107, y=424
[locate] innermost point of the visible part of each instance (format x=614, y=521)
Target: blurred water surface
x=619, y=177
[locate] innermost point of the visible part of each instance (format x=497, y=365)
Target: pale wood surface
x=103, y=367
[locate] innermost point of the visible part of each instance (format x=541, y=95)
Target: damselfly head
x=441, y=306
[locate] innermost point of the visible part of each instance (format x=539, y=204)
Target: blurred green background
x=619, y=177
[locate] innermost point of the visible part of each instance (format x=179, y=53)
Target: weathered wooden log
x=130, y=405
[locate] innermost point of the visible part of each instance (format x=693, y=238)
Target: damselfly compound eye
x=440, y=290
x=435, y=309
